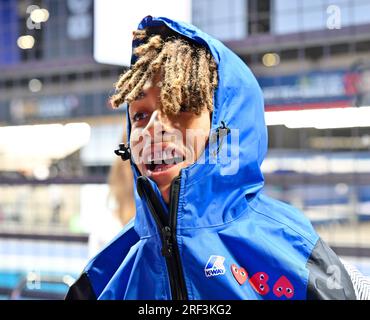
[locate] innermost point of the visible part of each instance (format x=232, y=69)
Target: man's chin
x=165, y=175
x=164, y=184
x=164, y=178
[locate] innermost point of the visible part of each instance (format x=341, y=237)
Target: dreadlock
x=188, y=73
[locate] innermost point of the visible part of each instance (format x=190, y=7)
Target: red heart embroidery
x=259, y=283
x=283, y=287
x=239, y=274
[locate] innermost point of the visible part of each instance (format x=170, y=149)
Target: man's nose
x=155, y=127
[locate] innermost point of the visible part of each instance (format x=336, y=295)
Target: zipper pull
x=218, y=137
x=167, y=243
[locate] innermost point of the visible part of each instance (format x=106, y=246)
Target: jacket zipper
x=167, y=228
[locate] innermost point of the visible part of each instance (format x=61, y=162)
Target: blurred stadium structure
x=57, y=131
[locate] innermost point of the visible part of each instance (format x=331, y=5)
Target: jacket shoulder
x=327, y=278
x=285, y=215
x=100, y=268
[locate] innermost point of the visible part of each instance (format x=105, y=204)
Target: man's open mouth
x=163, y=160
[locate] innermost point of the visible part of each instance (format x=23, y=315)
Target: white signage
x=115, y=20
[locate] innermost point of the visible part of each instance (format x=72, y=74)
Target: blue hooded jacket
x=221, y=238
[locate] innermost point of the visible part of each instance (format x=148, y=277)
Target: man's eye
x=139, y=116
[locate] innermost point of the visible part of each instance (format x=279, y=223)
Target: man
x=203, y=228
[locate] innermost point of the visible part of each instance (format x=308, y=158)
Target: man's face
x=161, y=145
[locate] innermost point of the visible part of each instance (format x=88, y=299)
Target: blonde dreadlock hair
x=188, y=72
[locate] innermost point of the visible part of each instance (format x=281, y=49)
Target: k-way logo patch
x=214, y=266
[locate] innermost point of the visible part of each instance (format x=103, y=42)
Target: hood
x=211, y=193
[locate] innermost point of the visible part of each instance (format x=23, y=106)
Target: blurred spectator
x=120, y=203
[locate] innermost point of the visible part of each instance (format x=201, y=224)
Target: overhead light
x=26, y=42
x=35, y=85
x=321, y=118
x=316, y=164
x=39, y=15
x=339, y=142
x=41, y=172
x=270, y=59
x=341, y=188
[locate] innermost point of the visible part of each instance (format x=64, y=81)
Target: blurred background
x=58, y=62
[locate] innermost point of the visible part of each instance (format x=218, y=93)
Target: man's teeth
x=160, y=156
